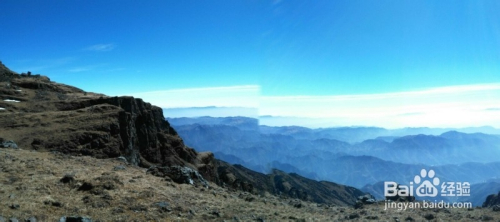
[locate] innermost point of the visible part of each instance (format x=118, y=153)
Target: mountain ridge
x=471, y=157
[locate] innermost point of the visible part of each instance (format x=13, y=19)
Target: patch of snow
x=19, y=90
x=1, y=108
x=11, y=100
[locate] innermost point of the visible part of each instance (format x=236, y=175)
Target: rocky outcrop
x=5, y=73
x=492, y=200
x=179, y=174
x=57, y=117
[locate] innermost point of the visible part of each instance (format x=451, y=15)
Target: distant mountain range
x=214, y=111
x=356, y=156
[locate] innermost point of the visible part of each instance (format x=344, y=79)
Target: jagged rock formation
x=5, y=73
x=39, y=114
x=53, y=116
x=492, y=200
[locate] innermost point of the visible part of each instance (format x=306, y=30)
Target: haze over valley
x=363, y=157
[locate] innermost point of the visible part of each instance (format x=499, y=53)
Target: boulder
x=179, y=174
x=496, y=208
x=163, y=206
x=8, y=144
x=68, y=178
x=367, y=199
x=31, y=219
x=75, y=219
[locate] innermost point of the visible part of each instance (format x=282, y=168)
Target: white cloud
x=451, y=106
x=229, y=96
x=461, y=89
x=101, y=47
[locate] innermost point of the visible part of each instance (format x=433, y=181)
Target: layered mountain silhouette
x=38, y=114
x=333, y=154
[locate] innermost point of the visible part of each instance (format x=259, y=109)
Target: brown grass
x=32, y=180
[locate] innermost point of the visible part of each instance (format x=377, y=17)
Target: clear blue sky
x=279, y=48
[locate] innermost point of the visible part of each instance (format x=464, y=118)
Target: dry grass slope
x=110, y=190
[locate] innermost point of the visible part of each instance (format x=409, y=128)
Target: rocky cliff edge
x=39, y=114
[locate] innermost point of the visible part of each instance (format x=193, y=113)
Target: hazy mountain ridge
x=351, y=135
x=455, y=156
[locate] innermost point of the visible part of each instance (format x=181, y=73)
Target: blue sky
x=427, y=63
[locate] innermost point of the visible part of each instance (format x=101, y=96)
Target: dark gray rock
x=367, y=199
x=192, y=212
x=164, y=206
x=119, y=167
x=372, y=217
x=14, y=206
x=353, y=216
x=492, y=200
x=75, y=219
x=57, y=204
x=118, y=210
x=364, y=199
x=358, y=205
x=486, y=218
x=53, y=203
x=179, y=174
x=8, y=144
x=86, y=186
x=68, y=178
x=409, y=219
x=122, y=158
x=31, y=219
x=496, y=208
x=216, y=213
x=370, y=201
x=429, y=216
x=13, y=219
x=138, y=208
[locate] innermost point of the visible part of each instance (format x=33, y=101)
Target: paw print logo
x=426, y=187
